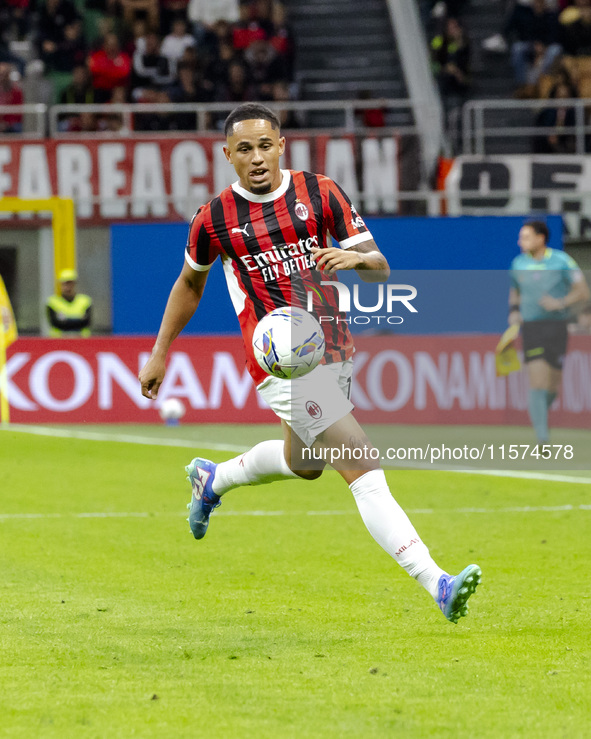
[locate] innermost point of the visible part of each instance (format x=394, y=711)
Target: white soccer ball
x=288, y=342
x=172, y=409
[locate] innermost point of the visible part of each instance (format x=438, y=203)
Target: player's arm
x=357, y=250
x=514, y=306
x=578, y=293
x=365, y=258
x=182, y=303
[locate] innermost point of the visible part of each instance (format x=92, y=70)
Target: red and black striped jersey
x=265, y=244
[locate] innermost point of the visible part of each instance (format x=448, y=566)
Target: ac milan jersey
x=265, y=244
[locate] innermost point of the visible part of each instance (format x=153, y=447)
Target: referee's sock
x=263, y=463
x=391, y=528
x=550, y=398
x=538, y=413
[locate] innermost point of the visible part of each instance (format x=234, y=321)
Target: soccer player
x=545, y=285
x=270, y=229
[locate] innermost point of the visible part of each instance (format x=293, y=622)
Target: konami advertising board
x=398, y=380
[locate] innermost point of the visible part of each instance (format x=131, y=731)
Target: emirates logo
x=314, y=410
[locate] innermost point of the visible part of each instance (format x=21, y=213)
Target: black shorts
x=545, y=340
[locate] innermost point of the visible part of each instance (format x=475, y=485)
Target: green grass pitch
x=287, y=620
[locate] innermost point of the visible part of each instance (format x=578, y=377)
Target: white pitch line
x=123, y=438
x=196, y=444
x=275, y=514
x=546, y=476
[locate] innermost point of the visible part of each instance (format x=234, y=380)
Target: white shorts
x=314, y=402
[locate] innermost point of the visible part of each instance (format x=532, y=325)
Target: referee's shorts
x=545, y=340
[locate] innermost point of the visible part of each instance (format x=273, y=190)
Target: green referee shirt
x=533, y=278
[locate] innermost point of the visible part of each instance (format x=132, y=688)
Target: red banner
x=169, y=178
x=398, y=379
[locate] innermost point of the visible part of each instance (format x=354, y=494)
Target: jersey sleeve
x=201, y=251
x=340, y=216
x=572, y=271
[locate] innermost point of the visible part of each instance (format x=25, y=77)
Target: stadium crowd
x=229, y=51
x=549, y=46
x=147, y=51
x=549, y=43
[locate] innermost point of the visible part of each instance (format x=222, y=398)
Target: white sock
x=261, y=464
x=391, y=528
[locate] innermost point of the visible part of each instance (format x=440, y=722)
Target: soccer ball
x=171, y=411
x=288, y=342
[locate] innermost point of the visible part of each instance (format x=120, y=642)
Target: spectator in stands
x=54, y=17
x=537, y=46
x=78, y=92
x=6, y=54
x=148, y=9
x=106, y=24
x=71, y=50
x=533, y=27
x=191, y=87
x=250, y=28
x=572, y=13
x=150, y=68
x=109, y=68
x=205, y=14
x=170, y=10
x=559, y=117
x=10, y=94
x=450, y=53
x=191, y=58
x=576, y=37
x=236, y=88
x=261, y=11
x=264, y=67
x=174, y=45
x=15, y=18
x=218, y=51
x=516, y=24
x=282, y=38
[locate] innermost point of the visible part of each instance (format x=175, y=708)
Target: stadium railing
x=349, y=110
x=33, y=116
x=478, y=133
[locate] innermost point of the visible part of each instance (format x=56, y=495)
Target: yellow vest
x=75, y=309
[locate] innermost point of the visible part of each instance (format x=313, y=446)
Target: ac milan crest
x=302, y=212
x=314, y=409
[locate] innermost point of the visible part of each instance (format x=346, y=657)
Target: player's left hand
x=332, y=259
x=549, y=303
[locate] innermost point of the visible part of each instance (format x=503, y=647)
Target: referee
x=545, y=285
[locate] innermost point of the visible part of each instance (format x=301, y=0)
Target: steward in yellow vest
x=69, y=314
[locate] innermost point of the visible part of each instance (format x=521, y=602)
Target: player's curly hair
x=250, y=112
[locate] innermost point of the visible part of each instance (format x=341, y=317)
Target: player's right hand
x=151, y=377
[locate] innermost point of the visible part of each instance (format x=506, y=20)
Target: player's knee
x=308, y=474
